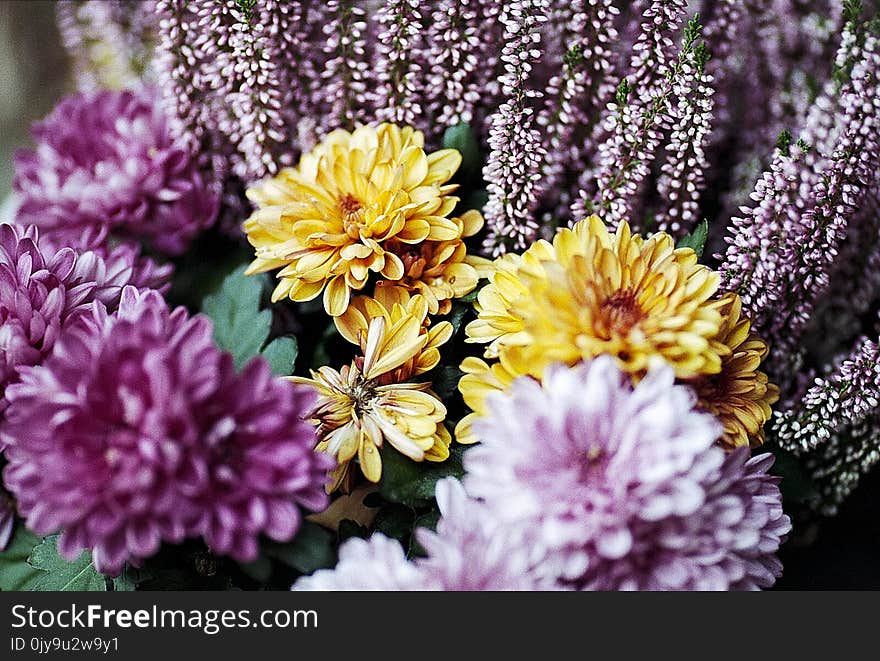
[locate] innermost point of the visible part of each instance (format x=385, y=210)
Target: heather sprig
x=512, y=170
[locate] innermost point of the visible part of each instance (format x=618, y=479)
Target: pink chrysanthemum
x=106, y=163
x=40, y=288
x=624, y=484
x=136, y=430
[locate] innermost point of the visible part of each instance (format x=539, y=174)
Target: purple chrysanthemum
x=473, y=550
x=137, y=430
x=40, y=288
x=7, y=518
x=106, y=163
x=374, y=564
x=625, y=485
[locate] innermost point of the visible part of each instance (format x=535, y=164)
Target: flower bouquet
x=458, y=295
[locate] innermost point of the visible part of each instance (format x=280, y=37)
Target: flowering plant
x=460, y=295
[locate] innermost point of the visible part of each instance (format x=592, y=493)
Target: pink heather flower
x=624, y=486
x=137, y=430
x=105, y=163
x=375, y=564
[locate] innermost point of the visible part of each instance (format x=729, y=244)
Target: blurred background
x=838, y=553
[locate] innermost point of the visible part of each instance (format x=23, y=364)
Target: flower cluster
x=106, y=165
x=586, y=482
x=137, y=430
x=372, y=400
x=640, y=300
x=367, y=202
x=245, y=278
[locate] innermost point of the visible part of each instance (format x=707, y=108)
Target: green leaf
x=59, y=575
x=281, y=354
x=311, y=549
x=15, y=572
x=696, y=239
x=796, y=485
x=462, y=138
x=428, y=520
x=395, y=521
x=444, y=381
x=240, y=327
x=260, y=569
x=412, y=483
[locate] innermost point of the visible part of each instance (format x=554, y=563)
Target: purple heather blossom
x=105, y=40
x=843, y=398
x=374, y=564
x=340, y=97
x=576, y=96
x=782, y=252
x=137, y=430
x=396, y=71
x=624, y=486
x=634, y=125
x=682, y=174
x=105, y=164
x=512, y=168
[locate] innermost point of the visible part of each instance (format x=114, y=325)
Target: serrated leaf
x=412, y=483
x=281, y=355
x=59, y=575
x=240, y=327
x=696, y=239
x=311, y=549
x=15, y=572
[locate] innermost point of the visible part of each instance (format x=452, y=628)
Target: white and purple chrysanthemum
x=136, y=430
x=105, y=163
x=473, y=550
x=625, y=485
x=374, y=564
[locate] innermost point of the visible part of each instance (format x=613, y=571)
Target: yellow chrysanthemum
x=347, y=210
x=366, y=403
x=405, y=316
x=479, y=381
x=442, y=270
x=740, y=395
x=590, y=293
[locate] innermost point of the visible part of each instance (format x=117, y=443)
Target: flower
x=41, y=288
x=624, y=484
x=329, y=221
x=441, y=270
x=375, y=564
x=105, y=163
x=472, y=550
x=590, y=293
x=739, y=395
x=402, y=314
x=136, y=430
x=478, y=381
x=369, y=401
x=7, y=518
